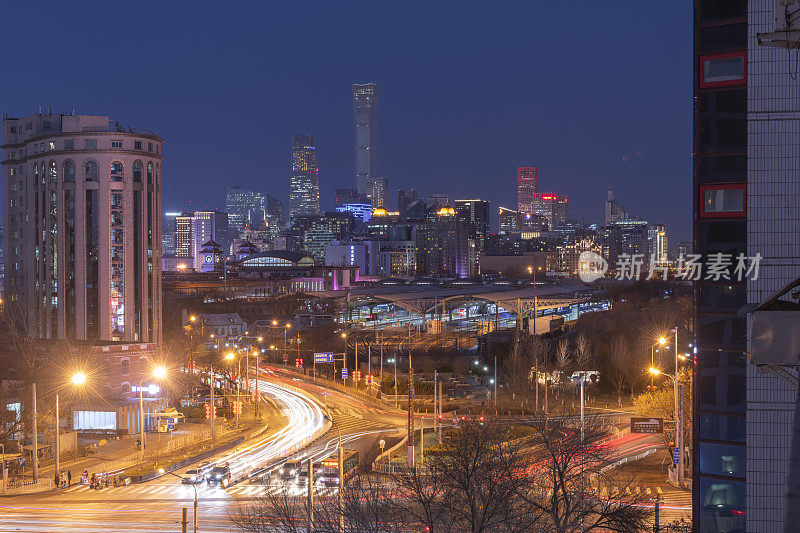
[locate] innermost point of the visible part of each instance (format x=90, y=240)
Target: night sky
x=595, y=94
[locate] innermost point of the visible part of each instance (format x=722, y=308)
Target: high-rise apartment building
x=365, y=108
x=444, y=246
x=377, y=189
x=720, y=485
x=304, y=177
x=184, y=231
x=527, y=180
x=406, y=198
x=82, y=212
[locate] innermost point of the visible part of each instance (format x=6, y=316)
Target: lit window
x=149, y=172
x=116, y=171
x=718, y=201
x=52, y=145
x=90, y=144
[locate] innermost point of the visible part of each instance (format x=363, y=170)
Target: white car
x=192, y=476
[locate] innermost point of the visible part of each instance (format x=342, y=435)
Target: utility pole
x=341, y=488
x=440, y=410
x=435, y=408
x=35, y=439
x=213, y=409
x=310, y=499
x=656, y=526
x=184, y=520
x=678, y=414
x=58, y=439
x=410, y=428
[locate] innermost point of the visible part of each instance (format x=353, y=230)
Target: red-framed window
x=723, y=200
x=723, y=70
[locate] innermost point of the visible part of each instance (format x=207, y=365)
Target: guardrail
x=624, y=460
x=376, y=466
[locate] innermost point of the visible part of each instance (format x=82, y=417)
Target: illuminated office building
x=365, y=110
x=304, y=177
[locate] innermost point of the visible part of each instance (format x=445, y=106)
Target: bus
x=330, y=467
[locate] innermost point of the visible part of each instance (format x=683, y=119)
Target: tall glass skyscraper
x=304, y=177
x=250, y=210
x=365, y=107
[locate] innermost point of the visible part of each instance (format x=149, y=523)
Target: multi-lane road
x=306, y=406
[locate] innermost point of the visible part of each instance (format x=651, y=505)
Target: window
x=90, y=144
x=723, y=38
x=116, y=144
x=28, y=126
x=124, y=368
x=149, y=147
x=116, y=171
x=52, y=145
x=723, y=69
x=12, y=156
x=35, y=148
x=69, y=144
x=149, y=172
x=91, y=172
x=12, y=129
x=137, y=171
x=723, y=200
x=69, y=171
x=137, y=145
x=723, y=168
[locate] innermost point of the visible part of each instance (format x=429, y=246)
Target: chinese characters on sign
x=718, y=267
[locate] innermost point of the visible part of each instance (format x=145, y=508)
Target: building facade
x=476, y=214
x=377, y=191
x=406, y=198
x=365, y=109
x=304, y=177
x=254, y=212
x=83, y=220
x=527, y=180
x=719, y=481
x=657, y=241
x=553, y=207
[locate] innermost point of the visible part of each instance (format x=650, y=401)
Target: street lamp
x=159, y=372
x=78, y=379
x=678, y=419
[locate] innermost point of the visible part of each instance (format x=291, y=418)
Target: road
x=155, y=506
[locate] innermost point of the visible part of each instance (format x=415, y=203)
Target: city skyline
x=582, y=143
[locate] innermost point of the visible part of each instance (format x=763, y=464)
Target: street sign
x=344, y=373
x=650, y=426
x=676, y=455
x=171, y=427
x=323, y=357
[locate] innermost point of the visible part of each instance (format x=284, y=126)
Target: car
x=290, y=470
x=204, y=467
x=219, y=474
x=192, y=477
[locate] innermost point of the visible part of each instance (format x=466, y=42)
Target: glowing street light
x=159, y=372
x=229, y=356
x=78, y=378
x=662, y=341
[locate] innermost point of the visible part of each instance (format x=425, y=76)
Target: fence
x=376, y=466
x=26, y=486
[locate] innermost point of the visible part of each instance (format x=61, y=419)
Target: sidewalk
x=110, y=455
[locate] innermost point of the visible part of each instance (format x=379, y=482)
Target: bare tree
x=617, y=362
x=558, y=490
x=517, y=368
x=583, y=351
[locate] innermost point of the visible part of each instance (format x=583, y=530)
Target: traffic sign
x=650, y=426
x=344, y=373
x=171, y=427
x=325, y=357
x=676, y=455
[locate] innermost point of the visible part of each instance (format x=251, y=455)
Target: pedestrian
x=55, y=480
x=69, y=478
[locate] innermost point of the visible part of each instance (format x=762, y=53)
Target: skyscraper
x=614, y=212
x=206, y=226
x=83, y=220
x=304, y=177
x=476, y=214
x=657, y=241
x=254, y=212
x=527, y=179
x=365, y=107
x=720, y=386
x=553, y=207
x=405, y=198
x=376, y=191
